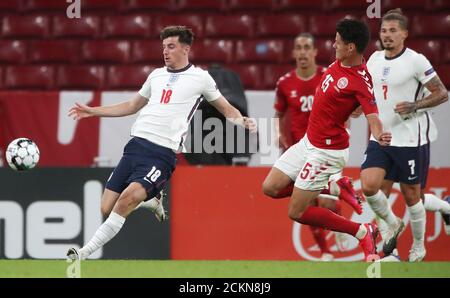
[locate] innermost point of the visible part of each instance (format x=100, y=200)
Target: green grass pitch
x=217, y=269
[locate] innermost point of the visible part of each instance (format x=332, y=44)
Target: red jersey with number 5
x=296, y=95
x=341, y=90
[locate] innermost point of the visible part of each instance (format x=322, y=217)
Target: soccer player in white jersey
x=399, y=76
x=167, y=102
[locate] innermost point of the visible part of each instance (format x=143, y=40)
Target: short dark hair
x=354, y=31
x=396, y=15
x=185, y=35
x=306, y=35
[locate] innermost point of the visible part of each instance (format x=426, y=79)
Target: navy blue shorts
x=144, y=162
x=408, y=165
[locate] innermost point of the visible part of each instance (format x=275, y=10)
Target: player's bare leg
x=277, y=184
x=302, y=211
x=109, y=199
x=411, y=193
x=371, y=183
x=127, y=202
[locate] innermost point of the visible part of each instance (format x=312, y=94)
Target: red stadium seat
x=374, y=45
x=44, y=51
x=106, y=51
x=325, y=51
x=229, y=26
x=250, y=75
x=196, y=5
x=446, y=53
x=1, y=78
x=431, y=25
x=374, y=26
x=291, y=5
x=87, y=26
x=9, y=6
x=127, y=76
x=102, y=5
x=36, y=26
x=429, y=48
x=259, y=51
x=12, y=51
x=444, y=74
x=280, y=25
x=195, y=22
x=325, y=25
x=147, y=51
x=152, y=5
x=346, y=5
x=439, y=5
x=251, y=4
x=207, y=50
x=126, y=26
x=26, y=77
x=410, y=5
x=273, y=72
x=80, y=77
x=44, y=5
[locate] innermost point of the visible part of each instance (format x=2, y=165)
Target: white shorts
x=311, y=167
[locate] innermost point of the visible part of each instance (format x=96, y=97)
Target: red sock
x=319, y=236
x=327, y=219
x=338, y=208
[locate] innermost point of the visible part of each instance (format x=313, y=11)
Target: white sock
x=380, y=205
x=418, y=221
x=104, y=233
x=361, y=232
x=433, y=203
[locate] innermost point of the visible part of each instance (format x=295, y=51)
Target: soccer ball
x=22, y=154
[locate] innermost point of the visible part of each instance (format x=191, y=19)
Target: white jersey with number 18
x=173, y=98
x=397, y=79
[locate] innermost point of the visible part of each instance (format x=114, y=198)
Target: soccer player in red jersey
x=323, y=151
x=294, y=95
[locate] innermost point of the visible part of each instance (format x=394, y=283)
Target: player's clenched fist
x=384, y=139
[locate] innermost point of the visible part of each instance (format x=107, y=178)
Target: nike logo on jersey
x=412, y=178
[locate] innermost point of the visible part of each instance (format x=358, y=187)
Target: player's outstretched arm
x=376, y=128
x=80, y=111
x=232, y=114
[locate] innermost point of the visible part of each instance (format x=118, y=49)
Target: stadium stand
x=219, y=26
x=85, y=27
x=29, y=77
x=80, y=77
x=53, y=51
x=122, y=77
x=257, y=34
x=12, y=51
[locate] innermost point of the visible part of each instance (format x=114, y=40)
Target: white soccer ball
x=22, y=154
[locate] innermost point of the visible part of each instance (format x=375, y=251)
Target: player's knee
x=106, y=210
x=369, y=188
x=269, y=189
x=295, y=214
